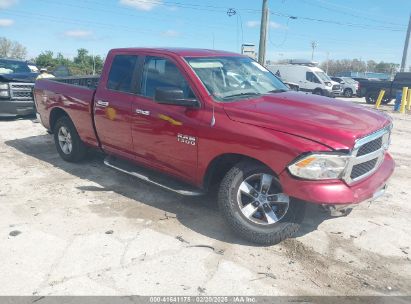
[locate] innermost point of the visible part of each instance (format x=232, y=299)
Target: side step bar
x=152, y=177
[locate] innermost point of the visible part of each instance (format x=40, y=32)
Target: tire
x=386, y=100
x=371, y=97
x=75, y=150
x=257, y=228
x=318, y=92
x=348, y=93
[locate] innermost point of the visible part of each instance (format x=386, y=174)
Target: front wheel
x=68, y=142
x=253, y=204
x=318, y=92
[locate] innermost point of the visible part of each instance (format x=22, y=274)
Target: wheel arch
x=55, y=114
x=221, y=164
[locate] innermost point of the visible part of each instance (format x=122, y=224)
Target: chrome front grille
x=367, y=155
x=370, y=147
x=363, y=168
x=21, y=91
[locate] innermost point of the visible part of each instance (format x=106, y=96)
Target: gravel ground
x=84, y=229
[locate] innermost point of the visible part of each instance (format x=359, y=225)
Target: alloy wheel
x=260, y=199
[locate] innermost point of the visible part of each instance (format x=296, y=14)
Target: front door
x=165, y=135
x=113, y=106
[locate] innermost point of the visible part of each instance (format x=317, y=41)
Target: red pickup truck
x=189, y=119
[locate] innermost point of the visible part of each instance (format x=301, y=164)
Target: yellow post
x=409, y=100
x=403, y=99
x=380, y=97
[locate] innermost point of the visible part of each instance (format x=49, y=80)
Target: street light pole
x=263, y=33
x=313, y=45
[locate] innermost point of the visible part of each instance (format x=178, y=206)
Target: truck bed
x=73, y=95
x=89, y=81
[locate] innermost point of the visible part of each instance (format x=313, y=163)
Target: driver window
x=162, y=73
x=310, y=76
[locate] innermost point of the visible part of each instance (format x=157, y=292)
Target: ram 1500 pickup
x=188, y=120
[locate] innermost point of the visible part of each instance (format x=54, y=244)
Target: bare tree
x=12, y=49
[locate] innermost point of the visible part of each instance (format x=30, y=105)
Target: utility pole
x=407, y=42
x=313, y=45
x=328, y=59
x=263, y=33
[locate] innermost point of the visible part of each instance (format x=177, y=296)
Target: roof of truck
x=184, y=52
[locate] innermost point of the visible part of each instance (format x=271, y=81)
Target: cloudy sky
x=366, y=29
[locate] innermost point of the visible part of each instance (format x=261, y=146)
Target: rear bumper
x=16, y=107
x=338, y=192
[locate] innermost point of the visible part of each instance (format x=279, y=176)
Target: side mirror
x=174, y=96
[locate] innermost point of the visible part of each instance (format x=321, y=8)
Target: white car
x=309, y=78
x=348, y=85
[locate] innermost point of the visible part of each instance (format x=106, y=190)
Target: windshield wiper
x=241, y=95
x=277, y=91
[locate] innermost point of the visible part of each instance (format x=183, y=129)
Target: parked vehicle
x=16, y=85
x=292, y=85
x=370, y=89
x=349, y=86
x=171, y=117
x=309, y=78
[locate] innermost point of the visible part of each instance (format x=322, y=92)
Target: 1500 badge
x=186, y=139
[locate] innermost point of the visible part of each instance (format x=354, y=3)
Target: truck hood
x=336, y=124
x=18, y=77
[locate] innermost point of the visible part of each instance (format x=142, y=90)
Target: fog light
x=4, y=94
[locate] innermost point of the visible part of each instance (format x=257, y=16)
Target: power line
x=347, y=13
x=221, y=9
x=358, y=25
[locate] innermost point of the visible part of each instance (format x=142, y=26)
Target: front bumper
x=16, y=107
x=338, y=192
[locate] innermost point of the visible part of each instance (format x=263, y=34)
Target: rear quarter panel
x=76, y=101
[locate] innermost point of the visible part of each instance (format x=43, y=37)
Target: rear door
x=113, y=104
x=164, y=135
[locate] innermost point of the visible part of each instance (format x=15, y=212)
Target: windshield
x=11, y=66
x=324, y=77
x=232, y=77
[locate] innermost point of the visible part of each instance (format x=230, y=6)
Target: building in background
x=382, y=76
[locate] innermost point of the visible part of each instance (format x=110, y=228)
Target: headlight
x=328, y=84
x=4, y=86
x=320, y=166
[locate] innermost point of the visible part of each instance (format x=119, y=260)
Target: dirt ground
x=85, y=229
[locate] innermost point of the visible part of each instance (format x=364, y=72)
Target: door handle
x=102, y=103
x=142, y=112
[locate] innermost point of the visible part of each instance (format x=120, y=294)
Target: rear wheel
x=371, y=97
x=253, y=204
x=68, y=142
x=386, y=100
x=348, y=93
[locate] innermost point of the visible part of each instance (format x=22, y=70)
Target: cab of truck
x=309, y=78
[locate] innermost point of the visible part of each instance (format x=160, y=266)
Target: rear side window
x=122, y=77
x=160, y=72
